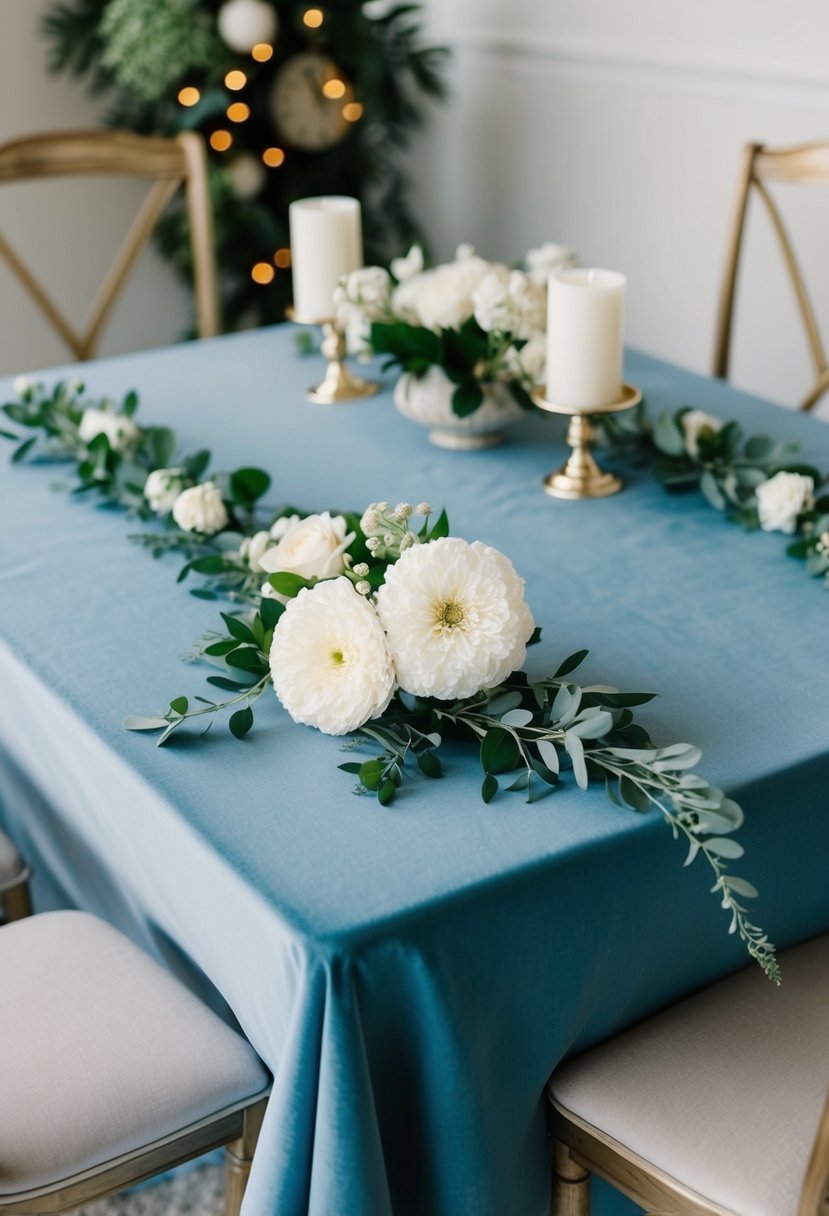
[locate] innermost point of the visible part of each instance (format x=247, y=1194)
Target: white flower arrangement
x=479, y=321
x=119, y=429
x=782, y=499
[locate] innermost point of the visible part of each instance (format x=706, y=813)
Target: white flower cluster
x=781, y=499
x=360, y=298
x=118, y=428
x=449, y=620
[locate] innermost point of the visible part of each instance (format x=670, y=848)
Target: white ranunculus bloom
x=408, y=266
x=200, y=509
x=508, y=301
x=253, y=547
x=696, y=423
x=313, y=548
x=162, y=488
x=118, y=429
x=781, y=499
x=546, y=260
x=455, y=616
x=330, y=661
x=441, y=298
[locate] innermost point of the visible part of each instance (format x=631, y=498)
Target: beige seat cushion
x=101, y=1051
x=725, y=1090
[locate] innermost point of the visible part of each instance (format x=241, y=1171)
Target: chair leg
x=238, y=1158
x=17, y=902
x=571, y=1184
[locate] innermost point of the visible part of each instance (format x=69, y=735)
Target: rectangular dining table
x=410, y=974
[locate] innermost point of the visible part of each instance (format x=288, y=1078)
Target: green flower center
x=337, y=658
x=450, y=614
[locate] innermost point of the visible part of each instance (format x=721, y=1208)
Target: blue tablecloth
x=411, y=974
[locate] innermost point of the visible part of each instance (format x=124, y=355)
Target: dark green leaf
x=21, y=452
x=270, y=610
x=248, y=485
x=440, y=527
x=371, y=774
x=228, y=685
x=466, y=398
x=350, y=767
x=499, y=751
x=179, y=705
x=241, y=722
x=238, y=629
x=217, y=649
x=571, y=663
x=385, y=793
x=288, y=584
x=202, y=593
x=247, y=658
x=489, y=788
x=429, y=764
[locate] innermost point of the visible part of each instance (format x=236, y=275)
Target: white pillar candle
x=584, y=337
x=326, y=243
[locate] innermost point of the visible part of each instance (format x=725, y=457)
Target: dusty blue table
x=411, y=974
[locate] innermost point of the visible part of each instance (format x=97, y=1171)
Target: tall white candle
x=326, y=243
x=584, y=337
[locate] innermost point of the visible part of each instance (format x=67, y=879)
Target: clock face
x=307, y=102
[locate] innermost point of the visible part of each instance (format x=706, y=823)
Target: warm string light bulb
x=263, y=273
x=282, y=258
x=262, y=52
x=352, y=111
x=313, y=18
x=189, y=96
x=220, y=141
x=273, y=157
x=235, y=80
x=334, y=89
x=238, y=111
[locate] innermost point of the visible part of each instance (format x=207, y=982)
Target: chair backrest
x=804, y=164
x=170, y=163
x=814, y=1201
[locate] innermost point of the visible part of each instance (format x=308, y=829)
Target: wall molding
x=543, y=54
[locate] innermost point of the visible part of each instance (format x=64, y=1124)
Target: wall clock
x=307, y=101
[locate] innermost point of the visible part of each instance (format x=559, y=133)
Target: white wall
x=68, y=231
x=617, y=128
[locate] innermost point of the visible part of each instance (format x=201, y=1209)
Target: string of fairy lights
x=221, y=139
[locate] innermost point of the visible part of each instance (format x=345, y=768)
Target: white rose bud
x=252, y=549
x=118, y=429
x=781, y=499
x=312, y=548
x=162, y=488
x=200, y=509
x=696, y=423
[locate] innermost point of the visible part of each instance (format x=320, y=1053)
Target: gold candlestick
x=580, y=476
x=339, y=383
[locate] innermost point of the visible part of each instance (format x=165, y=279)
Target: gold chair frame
x=803, y=164
x=237, y=1131
x=171, y=163
x=15, y=897
x=580, y=1150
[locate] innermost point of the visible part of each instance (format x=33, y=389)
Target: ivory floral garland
x=403, y=638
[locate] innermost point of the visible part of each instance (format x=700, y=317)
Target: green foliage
x=139, y=53
x=531, y=733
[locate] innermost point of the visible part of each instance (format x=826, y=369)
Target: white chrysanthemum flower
x=118, y=428
x=200, y=509
x=455, y=617
x=407, y=267
x=696, y=423
x=330, y=661
x=162, y=488
x=547, y=259
x=781, y=499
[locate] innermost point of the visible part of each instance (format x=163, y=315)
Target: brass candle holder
x=339, y=383
x=580, y=476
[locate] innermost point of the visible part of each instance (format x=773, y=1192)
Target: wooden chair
x=171, y=163
x=710, y=1108
x=804, y=164
x=111, y=1071
x=15, y=901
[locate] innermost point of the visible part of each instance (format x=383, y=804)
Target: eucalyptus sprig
x=531, y=733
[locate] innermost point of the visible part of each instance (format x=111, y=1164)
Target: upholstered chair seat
x=721, y=1096
x=105, y=1058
